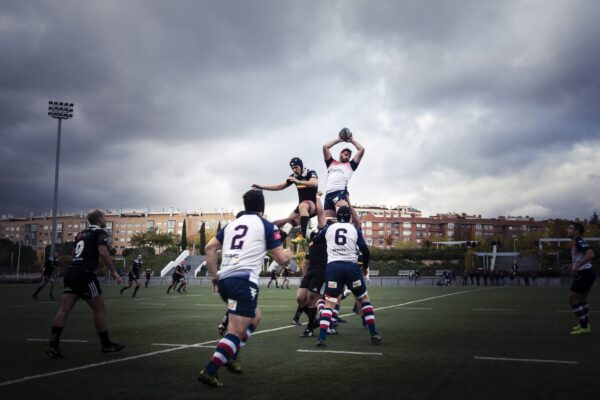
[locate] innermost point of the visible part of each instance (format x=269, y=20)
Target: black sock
x=123, y=289
x=135, y=291
x=312, y=314
x=303, y=225
x=37, y=290
x=55, y=333
x=104, y=338
x=299, y=311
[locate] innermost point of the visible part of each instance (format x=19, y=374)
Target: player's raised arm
x=327, y=148
x=360, y=150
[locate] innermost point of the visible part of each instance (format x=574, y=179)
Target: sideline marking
x=154, y=353
x=524, y=360
x=62, y=340
x=492, y=309
x=181, y=345
x=339, y=352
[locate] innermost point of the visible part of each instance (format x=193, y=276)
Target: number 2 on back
x=237, y=242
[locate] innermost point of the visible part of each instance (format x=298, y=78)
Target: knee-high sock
x=311, y=312
x=249, y=332
x=581, y=312
x=226, y=349
x=299, y=311
x=320, y=306
x=324, y=323
x=369, y=316
x=303, y=225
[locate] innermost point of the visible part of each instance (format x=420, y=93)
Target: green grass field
x=433, y=340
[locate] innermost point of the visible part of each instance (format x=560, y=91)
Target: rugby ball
x=345, y=134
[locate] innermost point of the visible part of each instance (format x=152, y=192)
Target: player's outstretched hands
x=118, y=278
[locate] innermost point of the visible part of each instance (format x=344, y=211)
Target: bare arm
x=280, y=186
x=107, y=260
x=360, y=150
x=312, y=182
x=281, y=255
x=589, y=255
x=210, y=250
x=327, y=146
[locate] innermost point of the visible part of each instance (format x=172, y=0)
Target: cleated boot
x=376, y=338
x=208, y=379
x=54, y=353
x=579, y=330
x=234, y=366
x=307, y=333
x=113, y=347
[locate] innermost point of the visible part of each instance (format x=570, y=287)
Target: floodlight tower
x=59, y=110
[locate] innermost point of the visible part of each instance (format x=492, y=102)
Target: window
x=406, y=224
x=149, y=225
x=171, y=226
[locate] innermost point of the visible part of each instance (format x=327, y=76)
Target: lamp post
x=514, y=248
x=59, y=110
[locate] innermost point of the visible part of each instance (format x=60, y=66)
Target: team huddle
x=331, y=269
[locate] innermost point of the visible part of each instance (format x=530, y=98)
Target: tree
x=219, y=226
x=595, y=220
x=183, y=237
x=202, y=238
x=140, y=239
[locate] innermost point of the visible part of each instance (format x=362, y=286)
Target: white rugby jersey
x=343, y=242
x=338, y=174
x=245, y=242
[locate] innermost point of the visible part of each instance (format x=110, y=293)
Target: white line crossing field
x=532, y=360
x=169, y=350
x=339, y=352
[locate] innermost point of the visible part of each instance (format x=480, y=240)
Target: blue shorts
x=583, y=281
x=241, y=296
x=334, y=197
x=340, y=273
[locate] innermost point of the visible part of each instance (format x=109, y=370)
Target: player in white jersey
x=344, y=242
x=244, y=243
x=339, y=173
x=583, y=278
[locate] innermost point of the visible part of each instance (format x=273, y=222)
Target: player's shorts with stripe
x=240, y=294
x=334, y=197
x=82, y=283
x=313, y=280
x=583, y=281
x=340, y=273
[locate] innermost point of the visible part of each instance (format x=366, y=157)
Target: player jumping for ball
x=307, y=183
x=339, y=173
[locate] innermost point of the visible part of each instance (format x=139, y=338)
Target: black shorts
x=47, y=278
x=176, y=278
x=313, y=281
x=82, y=283
x=583, y=281
x=133, y=277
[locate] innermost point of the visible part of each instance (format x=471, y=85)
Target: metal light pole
x=514, y=248
x=58, y=110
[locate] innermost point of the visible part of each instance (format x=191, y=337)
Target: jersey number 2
x=236, y=241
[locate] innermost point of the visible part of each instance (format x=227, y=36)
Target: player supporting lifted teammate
x=343, y=244
x=244, y=243
x=134, y=275
x=149, y=273
x=81, y=282
x=48, y=274
x=178, y=275
x=584, y=278
x=339, y=173
x=307, y=183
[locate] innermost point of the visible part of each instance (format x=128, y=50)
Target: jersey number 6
x=340, y=236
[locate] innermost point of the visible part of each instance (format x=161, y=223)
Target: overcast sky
x=483, y=107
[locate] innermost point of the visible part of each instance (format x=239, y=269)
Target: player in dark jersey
x=307, y=183
x=81, y=282
x=273, y=276
x=285, y=275
x=178, y=274
x=183, y=281
x=313, y=269
x=134, y=275
x=584, y=278
x=48, y=275
x=149, y=273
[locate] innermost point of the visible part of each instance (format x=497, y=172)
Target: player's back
x=244, y=244
x=342, y=242
x=85, y=252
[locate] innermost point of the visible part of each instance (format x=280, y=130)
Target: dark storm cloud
x=214, y=96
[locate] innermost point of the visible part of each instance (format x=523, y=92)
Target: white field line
x=154, y=353
x=152, y=304
x=62, y=340
x=224, y=305
x=533, y=360
x=339, y=352
x=492, y=309
x=181, y=345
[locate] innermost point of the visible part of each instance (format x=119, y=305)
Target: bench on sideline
x=406, y=273
x=374, y=272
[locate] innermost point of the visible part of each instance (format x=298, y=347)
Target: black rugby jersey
x=305, y=192
x=317, y=256
x=49, y=265
x=136, y=266
x=85, y=251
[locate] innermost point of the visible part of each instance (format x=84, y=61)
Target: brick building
x=121, y=226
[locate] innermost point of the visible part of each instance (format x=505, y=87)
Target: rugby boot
x=234, y=366
x=321, y=343
x=579, y=330
x=113, y=347
x=208, y=379
x=376, y=338
x=54, y=352
x=296, y=322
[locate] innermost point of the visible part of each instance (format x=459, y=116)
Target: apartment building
x=35, y=231
x=386, y=229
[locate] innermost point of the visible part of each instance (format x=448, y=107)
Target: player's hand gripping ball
x=345, y=134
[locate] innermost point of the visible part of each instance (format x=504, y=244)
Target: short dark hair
x=254, y=201
x=346, y=149
x=94, y=216
x=578, y=227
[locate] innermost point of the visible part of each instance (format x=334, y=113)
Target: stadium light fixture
x=59, y=110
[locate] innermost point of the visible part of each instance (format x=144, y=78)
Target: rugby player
x=48, y=274
x=584, y=278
